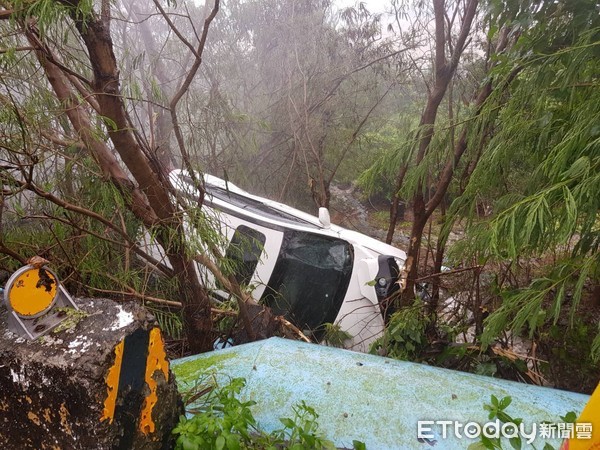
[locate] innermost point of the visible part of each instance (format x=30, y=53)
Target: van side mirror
x=324, y=217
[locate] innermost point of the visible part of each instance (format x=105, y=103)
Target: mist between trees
x=477, y=117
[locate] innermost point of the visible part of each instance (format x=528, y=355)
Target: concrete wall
x=101, y=380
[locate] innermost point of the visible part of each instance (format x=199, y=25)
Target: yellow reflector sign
x=32, y=292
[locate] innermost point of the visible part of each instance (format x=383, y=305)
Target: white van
x=302, y=266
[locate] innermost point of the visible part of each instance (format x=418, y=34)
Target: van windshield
x=310, y=279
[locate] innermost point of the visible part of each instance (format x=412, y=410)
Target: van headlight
x=387, y=277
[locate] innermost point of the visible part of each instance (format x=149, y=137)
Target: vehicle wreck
x=301, y=266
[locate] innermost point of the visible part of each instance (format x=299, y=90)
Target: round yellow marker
x=32, y=292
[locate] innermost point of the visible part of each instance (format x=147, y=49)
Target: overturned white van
x=302, y=266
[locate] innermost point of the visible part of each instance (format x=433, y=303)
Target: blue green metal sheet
x=369, y=398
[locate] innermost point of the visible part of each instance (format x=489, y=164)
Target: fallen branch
x=287, y=324
x=161, y=301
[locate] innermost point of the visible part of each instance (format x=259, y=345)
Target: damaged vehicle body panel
x=304, y=268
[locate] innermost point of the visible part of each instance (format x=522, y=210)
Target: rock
x=100, y=380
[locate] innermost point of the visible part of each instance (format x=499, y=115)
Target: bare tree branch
x=185, y=86
x=17, y=49
x=175, y=29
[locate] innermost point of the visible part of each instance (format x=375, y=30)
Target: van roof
x=225, y=195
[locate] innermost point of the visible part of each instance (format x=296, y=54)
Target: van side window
x=243, y=253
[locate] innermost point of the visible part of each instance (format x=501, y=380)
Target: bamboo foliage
x=543, y=166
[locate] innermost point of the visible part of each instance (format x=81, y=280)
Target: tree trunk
x=440, y=248
x=156, y=209
x=394, y=208
x=196, y=309
x=414, y=249
x=444, y=71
